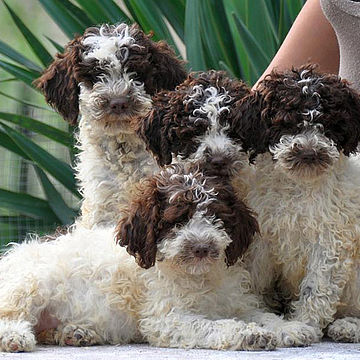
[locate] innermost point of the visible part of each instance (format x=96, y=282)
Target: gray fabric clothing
x=344, y=16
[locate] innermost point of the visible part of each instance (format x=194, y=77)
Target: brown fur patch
x=170, y=127
x=152, y=216
x=59, y=82
x=155, y=64
x=283, y=105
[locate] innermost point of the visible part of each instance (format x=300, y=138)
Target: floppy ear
x=343, y=115
x=241, y=225
x=239, y=221
x=138, y=230
x=247, y=124
x=168, y=70
x=59, y=83
x=152, y=131
x=155, y=63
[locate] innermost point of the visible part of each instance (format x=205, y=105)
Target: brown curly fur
x=155, y=64
x=59, y=82
x=151, y=216
x=282, y=105
x=170, y=128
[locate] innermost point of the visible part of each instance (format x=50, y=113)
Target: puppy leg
x=321, y=289
x=345, y=330
x=288, y=333
x=16, y=336
x=193, y=331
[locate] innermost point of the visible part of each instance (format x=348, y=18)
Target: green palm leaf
x=148, y=15
x=56, y=202
x=26, y=122
x=257, y=57
x=27, y=205
x=12, y=54
x=194, y=47
x=68, y=21
x=57, y=168
x=106, y=11
x=38, y=49
x=27, y=76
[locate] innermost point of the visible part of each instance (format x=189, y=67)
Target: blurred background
x=37, y=185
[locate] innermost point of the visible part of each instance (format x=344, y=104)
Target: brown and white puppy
x=306, y=196
x=189, y=230
x=108, y=76
x=197, y=123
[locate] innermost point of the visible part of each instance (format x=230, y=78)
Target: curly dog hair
x=108, y=75
x=305, y=193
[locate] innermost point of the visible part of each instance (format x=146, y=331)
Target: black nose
x=308, y=155
x=201, y=252
x=217, y=161
x=119, y=105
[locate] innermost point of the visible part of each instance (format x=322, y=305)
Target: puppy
x=108, y=76
x=305, y=194
x=182, y=287
x=197, y=123
x=188, y=298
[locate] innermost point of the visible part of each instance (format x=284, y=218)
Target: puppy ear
x=344, y=113
x=152, y=131
x=168, y=70
x=59, y=83
x=238, y=220
x=247, y=125
x=138, y=230
x=241, y=226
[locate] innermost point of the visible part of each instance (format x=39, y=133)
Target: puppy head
x=199, y=108
x=311, y=118
x=110, y=73
x=180, y=219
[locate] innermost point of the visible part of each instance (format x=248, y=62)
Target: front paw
x=73, y=335
x=295, y=333
x=345, y=330
x=16, y=336
x=256, y=338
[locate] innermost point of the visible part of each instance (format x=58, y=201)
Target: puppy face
x=110, y=73
x=310, y=118
x=192, y=223
x=193, y=119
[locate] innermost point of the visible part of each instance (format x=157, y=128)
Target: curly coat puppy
x=305, y=194
x=108, y=75
x=187, y=232
x=197, y=123
x=188, y=298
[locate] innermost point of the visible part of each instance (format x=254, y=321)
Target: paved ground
x=323, y=351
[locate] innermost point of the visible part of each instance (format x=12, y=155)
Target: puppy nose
x=201, y=252
x=119, y=104
x=308, y=155
x=217, y=161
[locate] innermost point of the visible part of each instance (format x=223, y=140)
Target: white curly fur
x=308, y=210
x=111, y=159
x=98, y=294
x=211, y=103
x=310, y=238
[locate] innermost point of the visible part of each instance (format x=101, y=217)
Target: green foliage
x=240, y=36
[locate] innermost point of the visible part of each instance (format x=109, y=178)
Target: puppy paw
x=345, y=330
x=295, y=333
x=256, y=338
x=16, y=336
x=47, y=337
x=73, y=335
